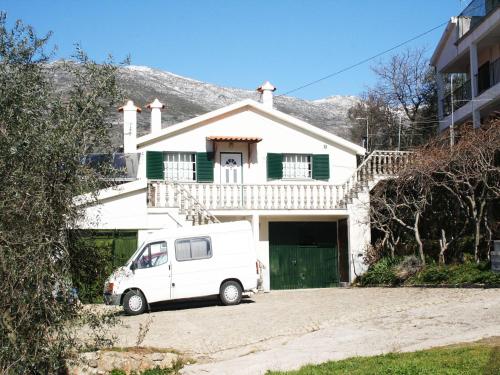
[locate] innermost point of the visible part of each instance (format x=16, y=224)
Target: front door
x=230, y=165
x=231, y=178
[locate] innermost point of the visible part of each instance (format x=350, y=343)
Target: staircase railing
x=160, y=195
x=193, y=209
x=377, y=164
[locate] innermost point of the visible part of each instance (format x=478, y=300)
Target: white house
x=469, y=51
x=298, y=185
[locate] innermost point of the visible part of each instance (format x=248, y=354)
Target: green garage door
x=303, y=255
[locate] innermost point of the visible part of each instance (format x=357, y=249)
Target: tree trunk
x=490, y=235
x=417, y=238
x=477, y=231
x=443, y=246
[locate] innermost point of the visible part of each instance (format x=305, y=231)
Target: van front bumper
x=112, y=299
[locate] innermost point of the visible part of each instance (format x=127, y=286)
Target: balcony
x=460, y=96
x=246, y=197
x=488, y=76
x=189, y=197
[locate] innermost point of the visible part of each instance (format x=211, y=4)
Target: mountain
x=186, y=98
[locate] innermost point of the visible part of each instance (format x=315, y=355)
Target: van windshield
x=134, y=255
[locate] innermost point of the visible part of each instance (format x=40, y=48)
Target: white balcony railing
x=247, y=197
x=193, y=198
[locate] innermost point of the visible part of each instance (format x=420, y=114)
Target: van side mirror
x=133, y=266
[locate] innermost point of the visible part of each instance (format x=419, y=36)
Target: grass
x=481, y=358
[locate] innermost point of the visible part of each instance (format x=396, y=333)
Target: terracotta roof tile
x=233, y=138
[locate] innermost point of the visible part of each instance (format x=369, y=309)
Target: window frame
x=178, y=154
x=209, y=240
x=301, y=178
x=148, y=248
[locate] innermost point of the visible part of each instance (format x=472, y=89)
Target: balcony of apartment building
x=467, y=62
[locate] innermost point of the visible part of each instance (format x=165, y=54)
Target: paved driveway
x=287, y=329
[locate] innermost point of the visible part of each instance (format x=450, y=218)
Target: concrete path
x=288, y=329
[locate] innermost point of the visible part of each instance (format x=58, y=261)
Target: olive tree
x=44, y=134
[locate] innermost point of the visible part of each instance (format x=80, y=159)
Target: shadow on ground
x=187, y=304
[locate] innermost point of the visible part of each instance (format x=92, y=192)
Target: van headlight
x=108, y=288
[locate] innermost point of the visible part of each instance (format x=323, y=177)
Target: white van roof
x=201, y=230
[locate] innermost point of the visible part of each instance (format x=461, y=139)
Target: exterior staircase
x=378, y=165
x=195, y=202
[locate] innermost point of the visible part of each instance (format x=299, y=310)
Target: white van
x=214, y=259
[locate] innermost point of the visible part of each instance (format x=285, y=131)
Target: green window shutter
x=154, y=165
x=321, y=167
x=274, y=166
x=204, y=167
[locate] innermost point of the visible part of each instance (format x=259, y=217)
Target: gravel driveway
x=287, y=329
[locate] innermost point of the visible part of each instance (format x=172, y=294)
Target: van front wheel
x=134, y=302
x=230, y=293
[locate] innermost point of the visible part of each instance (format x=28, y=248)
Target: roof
x=110, y=192
x=258, y=107
x=230, y=138
x=442, y=41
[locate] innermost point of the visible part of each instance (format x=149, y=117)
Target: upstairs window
x=297, y=166
x=180, y=166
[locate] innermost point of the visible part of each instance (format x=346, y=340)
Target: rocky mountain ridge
x=186, y=98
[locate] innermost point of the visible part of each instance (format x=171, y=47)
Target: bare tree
x=374, y=112
x=470, y=173
x=404, y=81
x=443, y=194
x=401, y=201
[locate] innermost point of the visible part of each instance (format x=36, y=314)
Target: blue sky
x=240, y=43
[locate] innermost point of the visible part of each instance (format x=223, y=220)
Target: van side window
x=193, y=248
x=154, y=254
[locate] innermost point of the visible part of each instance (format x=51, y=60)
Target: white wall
x=358, y=226
x=276, y=138
x=127, y=211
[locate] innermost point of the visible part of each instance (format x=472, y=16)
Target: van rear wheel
x=230, y=293
x=134, y=302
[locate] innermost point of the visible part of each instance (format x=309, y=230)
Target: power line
x=371, y=58
x=364, y=61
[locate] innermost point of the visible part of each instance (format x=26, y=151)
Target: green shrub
x=434, y=274
x=409, y=271
x=91, y=264
x=380, y=273
x=457, y=274
x=473, y=273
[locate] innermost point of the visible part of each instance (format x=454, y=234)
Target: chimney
x=129, y=126
x=155, y=108
x=266, y=94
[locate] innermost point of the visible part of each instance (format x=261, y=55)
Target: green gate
x=120, y=244
x=303, y=255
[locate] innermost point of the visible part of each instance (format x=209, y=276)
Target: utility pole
x=452, y=125
x=399, y=132
x=367, y=128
